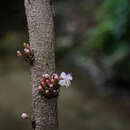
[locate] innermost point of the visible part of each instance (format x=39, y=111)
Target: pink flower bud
x=55, y=92
x=56, y=77
x=27, y=51
x=41, y=80
x=51, y=85
x=43, y=76
x=52, y=81
x=47, y=76
x=43, y=84
x=19, y=54
x=48, y=82
x=47, y=92
x=24, y=116
x=40, y=88
x=26, y=45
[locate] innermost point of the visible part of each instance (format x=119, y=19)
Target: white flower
x=24, y=116
x=65, y=79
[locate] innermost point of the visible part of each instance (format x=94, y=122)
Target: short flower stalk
x=27, y=54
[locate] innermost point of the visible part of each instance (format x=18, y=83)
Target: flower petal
x=68, y=83
x=63, y=75
x=61, y=83
x=69, y=76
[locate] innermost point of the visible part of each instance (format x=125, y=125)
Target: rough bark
x=41, y=37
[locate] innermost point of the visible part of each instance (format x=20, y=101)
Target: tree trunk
x=41, y=37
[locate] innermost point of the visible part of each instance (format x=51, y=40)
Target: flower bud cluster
x=49, y=86
x=27, y=54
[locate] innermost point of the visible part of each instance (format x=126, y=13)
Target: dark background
x=92, y=42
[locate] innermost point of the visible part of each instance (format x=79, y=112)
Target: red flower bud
x=56, y=77
x=47, y=92
x=19, y=54
x=43, y=76
x=55, y=92
x=52, y=81
x=27, y=51
x=24, y=116
x=40, y=88
x=41, y=80
x=51, y=85
x=43, y=83
x=26, y=45
x=47, y=76
x=48, y=82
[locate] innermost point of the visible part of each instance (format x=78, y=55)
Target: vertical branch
x=41, y=37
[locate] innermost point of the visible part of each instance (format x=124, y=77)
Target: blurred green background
x=92, y=42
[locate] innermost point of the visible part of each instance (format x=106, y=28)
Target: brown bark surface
x=41, y=37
